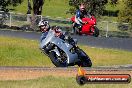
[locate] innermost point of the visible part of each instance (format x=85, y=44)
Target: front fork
x=75, y=25
x=48, y=47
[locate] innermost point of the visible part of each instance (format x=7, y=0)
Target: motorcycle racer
x=44, y=28
x=80, y=13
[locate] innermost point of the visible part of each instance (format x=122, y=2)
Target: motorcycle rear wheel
x=56, y=61
x=96, y=32
x=85, y=60
x=86, y=63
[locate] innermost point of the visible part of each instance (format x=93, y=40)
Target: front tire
x=56, y=61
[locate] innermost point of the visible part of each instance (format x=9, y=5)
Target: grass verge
x=52, y=8
x=56, y=82
x=23, y=52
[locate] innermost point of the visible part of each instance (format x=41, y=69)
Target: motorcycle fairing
x=71, y=57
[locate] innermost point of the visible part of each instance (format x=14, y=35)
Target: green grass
x=118, y=6
x=53, y=8
x=56, y=82
x=107, y=57
x=58, y=8
x=23, y=52
x=112, y=7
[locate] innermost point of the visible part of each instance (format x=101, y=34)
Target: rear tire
x=86, y=63
x=96, y=32
x=55, y=60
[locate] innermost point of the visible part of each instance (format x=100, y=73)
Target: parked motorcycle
x=89, y=28
x=64, y=52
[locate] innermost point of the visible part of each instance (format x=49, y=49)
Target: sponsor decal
x=83, y=78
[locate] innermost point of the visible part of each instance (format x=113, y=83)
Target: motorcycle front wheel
x=56, y=61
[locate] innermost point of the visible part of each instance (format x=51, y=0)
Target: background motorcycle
x=64, y=52
x=89, y=28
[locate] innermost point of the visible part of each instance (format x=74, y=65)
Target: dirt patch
x=34, y=74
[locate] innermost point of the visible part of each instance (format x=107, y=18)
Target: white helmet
x=42, y=23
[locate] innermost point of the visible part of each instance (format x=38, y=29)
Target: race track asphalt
x=101, y=42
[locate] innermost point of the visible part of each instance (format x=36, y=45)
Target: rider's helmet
x=44, y=24
x=57, y=29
